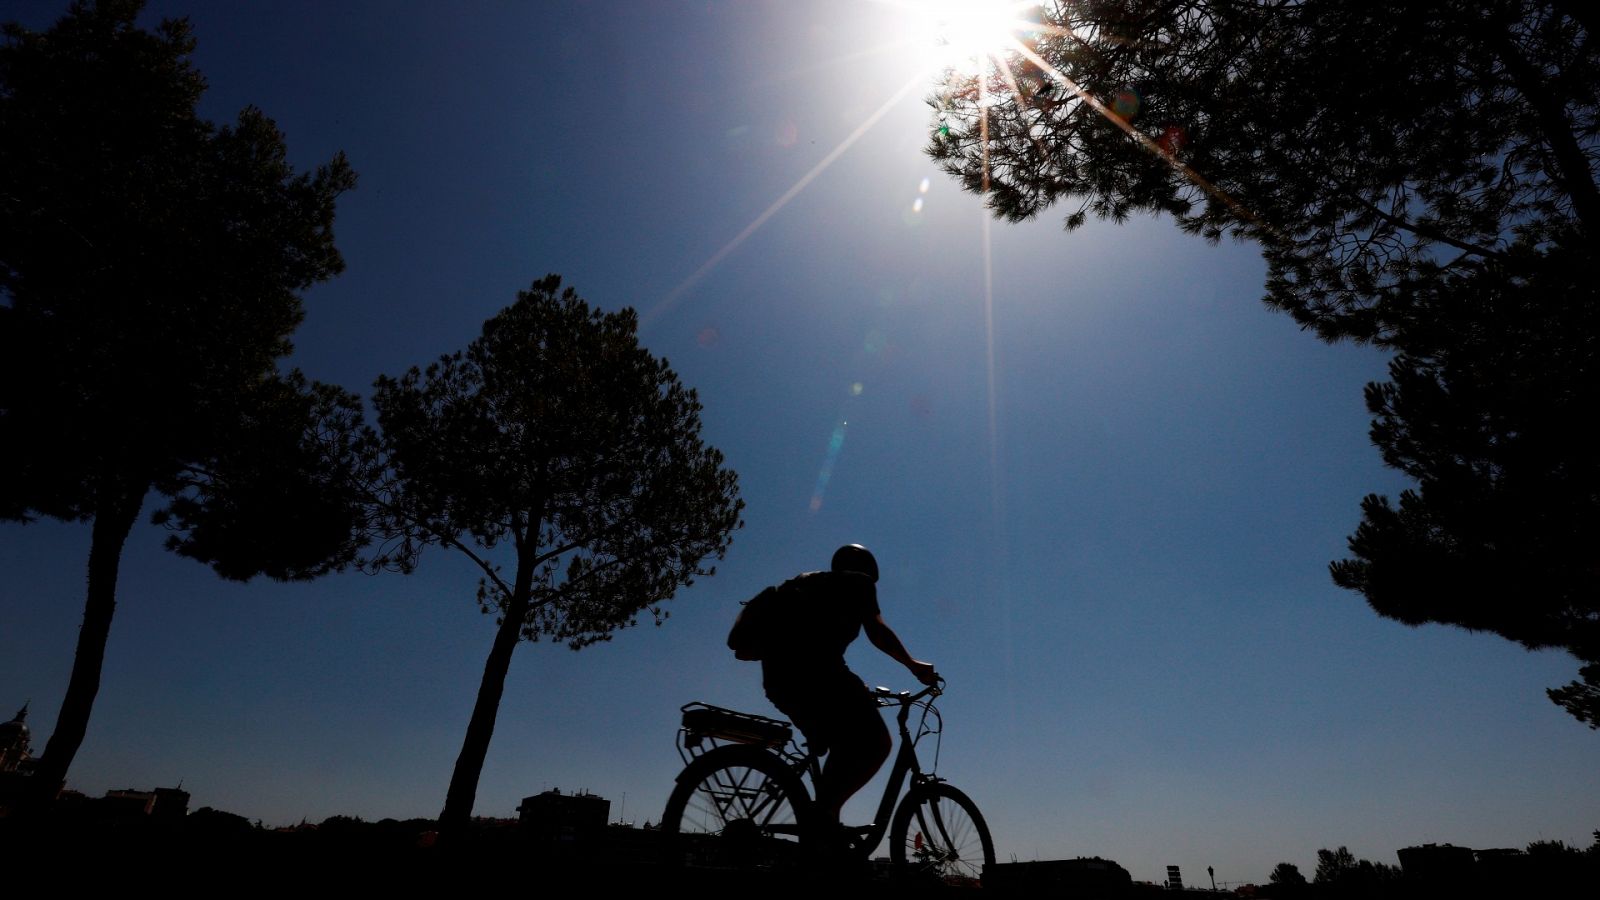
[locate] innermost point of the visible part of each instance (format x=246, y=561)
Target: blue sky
x=1106, y=518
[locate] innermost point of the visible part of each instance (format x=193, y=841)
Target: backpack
x=761, y=624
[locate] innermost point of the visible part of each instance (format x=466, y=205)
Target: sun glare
x=967, y=35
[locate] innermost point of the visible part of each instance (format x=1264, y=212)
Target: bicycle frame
x=905, y=760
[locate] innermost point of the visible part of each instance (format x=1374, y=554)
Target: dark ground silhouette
x=224, y=851
x=213, y=850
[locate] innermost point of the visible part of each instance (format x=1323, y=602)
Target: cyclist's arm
x=884, y=638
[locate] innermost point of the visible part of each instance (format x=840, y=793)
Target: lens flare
x=835, y=444
x=1125, y=103
x=1173, y=139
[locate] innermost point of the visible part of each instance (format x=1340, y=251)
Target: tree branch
x=1432, y=234
x=566, y=585
x=488, y=570
x=1574, y=175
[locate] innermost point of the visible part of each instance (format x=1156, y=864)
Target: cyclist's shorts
x=835, y=708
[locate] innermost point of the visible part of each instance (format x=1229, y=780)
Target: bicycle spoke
x=945, y=840
x=946, y=843
x=738, y=795
x=956, y=838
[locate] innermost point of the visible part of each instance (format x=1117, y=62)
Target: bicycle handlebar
x=906, y=697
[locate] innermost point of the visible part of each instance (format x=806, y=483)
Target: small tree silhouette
x=1334, y=865
x=1286, y=873
x=558, y=444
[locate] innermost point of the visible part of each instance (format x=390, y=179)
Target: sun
x=967, y=36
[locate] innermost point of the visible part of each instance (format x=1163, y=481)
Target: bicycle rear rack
x=706, y=727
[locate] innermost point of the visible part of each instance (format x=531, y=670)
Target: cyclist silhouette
x=806, y=678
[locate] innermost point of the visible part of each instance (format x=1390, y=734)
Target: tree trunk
x=115, y=513
x=463, y=791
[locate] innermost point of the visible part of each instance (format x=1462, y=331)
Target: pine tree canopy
x=1420, y=175
x=150, y=270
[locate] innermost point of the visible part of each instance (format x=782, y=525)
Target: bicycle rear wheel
x=736, y=807
x=938, y=832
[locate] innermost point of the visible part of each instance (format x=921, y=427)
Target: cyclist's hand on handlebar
x=924, y=672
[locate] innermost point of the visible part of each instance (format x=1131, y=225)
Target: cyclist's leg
x=860, y=743
x=838, y=716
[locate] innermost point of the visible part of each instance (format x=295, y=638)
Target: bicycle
x=740, y=801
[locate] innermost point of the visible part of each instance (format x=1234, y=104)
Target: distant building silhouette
x=1545, y=869
x=1085, y=878
x=564, y=817
x=161, y=804
x=1438, y=863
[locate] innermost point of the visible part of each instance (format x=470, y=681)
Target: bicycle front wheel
x=737, y=807
x=938, y=831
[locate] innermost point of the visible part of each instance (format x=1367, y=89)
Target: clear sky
x=1104, y=500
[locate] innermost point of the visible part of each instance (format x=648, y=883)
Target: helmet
x=855, y=558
